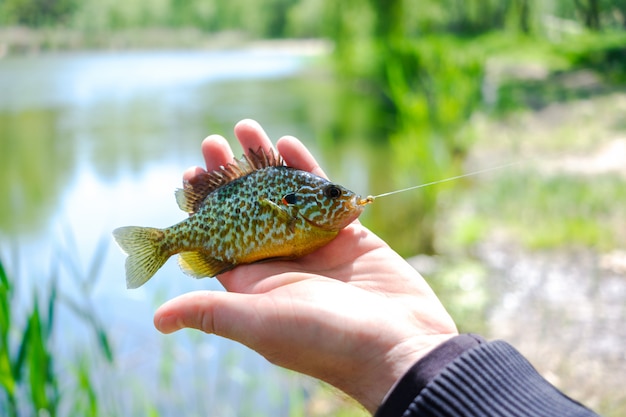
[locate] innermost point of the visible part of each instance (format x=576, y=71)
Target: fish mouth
x=356, y=207
x=364, y=201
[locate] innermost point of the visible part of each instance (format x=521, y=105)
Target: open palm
x=352, y=313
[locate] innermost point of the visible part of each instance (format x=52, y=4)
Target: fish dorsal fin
x=194, y=191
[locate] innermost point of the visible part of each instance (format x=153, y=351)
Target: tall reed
x=32, y=379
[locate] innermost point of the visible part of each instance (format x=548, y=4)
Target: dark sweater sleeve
x=467, y=376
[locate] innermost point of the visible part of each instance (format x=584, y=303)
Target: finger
x=225, y=314
x=216, y=152
x=298, y=156
x=261, y=277
x=252, y=136
x=192, y=172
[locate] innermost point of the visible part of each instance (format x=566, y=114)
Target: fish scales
x=253, y=210
x=219, y=225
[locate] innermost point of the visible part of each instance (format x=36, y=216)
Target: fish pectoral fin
x=201, y=265
x=282, y=213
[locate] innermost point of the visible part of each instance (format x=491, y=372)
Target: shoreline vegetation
x=23, y=40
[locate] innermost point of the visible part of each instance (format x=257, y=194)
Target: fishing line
x=371, y=198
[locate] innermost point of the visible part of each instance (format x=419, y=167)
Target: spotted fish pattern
x=252, y=210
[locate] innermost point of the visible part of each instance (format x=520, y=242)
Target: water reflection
x=34, y=168
x=89, y=142
x=117, y=112
x=81, y=79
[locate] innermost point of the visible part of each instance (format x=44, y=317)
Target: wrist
x=383, y=376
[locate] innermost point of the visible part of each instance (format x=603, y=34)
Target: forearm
x=468, y=376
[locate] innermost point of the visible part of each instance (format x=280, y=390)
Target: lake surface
x=93, y=141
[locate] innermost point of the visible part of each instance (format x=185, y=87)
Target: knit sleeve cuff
x=467, y=376
x=419, y=375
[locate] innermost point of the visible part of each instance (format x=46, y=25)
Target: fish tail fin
x=143, y=247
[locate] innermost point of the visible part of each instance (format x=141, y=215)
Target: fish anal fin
x=201, y=265
x=195, y=190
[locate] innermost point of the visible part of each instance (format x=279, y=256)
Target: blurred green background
x=103, y=104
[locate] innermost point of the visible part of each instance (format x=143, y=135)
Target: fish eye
x=290, y=198
x=332, y=191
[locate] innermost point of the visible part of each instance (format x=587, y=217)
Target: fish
x=254, y=209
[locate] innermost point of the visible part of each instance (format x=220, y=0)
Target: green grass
x=565, y=117
x=32, y=381
x=543, y=211
x=36, y=378
x=534, y=73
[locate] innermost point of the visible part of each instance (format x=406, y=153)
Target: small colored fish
x=252, y=210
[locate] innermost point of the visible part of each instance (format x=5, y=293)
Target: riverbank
x=20, y=40
x=537, y=251
x=563, y=309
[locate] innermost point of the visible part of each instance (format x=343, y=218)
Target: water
x=93, y=141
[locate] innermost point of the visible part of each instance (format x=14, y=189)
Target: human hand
x=353, y=313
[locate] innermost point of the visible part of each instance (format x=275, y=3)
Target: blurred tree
x=277, y=22
x=426, y=84
x=37, y=13
x=590, y=12
x=523, y=10
x=306, y=19
x=200, y=14
x=477, y=16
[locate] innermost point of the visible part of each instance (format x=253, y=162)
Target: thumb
x=230, y=315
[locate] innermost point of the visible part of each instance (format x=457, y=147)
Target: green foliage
x=429, y=83
x=28, y=369
x=86, y=405
x=546, y=212
x=44, y=392
x=604, y=53
x=268, y=18
x=580, y=67
x=31, y=366
x=7, y=374
x=37, y=13
x=279, y=18
x=428, y=86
